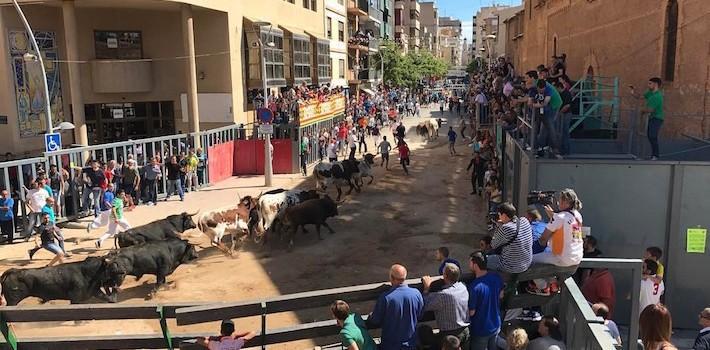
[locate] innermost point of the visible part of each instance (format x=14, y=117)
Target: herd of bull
x=158, y=249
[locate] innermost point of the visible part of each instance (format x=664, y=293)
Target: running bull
x=159, y=258
x=271, y=204
x=311, y=212
x=159, y=230
x=239, y=221
x=75, y=281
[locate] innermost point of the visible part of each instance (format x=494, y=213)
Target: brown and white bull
x=271, y=204
x=235, y=221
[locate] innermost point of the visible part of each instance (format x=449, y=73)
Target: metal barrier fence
x=581, y=328
x=313, y=131
x=73, y=196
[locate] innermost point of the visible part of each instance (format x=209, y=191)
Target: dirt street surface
x=398, y=218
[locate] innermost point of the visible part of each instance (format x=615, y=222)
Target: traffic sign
x=264, y=115
x=52, y=142
x=266, y=129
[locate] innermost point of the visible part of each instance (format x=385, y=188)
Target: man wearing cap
x=227, y=339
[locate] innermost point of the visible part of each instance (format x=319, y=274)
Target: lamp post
x=382, y=63
x=28, y=57
x=268, y=167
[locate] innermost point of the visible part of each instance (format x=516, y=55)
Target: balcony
x=368, y=74
x=358, y=7
x=414, y=23
x=416, y=6
x=359, y=42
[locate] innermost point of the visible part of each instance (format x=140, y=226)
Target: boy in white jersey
x=651, y=287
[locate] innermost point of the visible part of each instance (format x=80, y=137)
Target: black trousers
x=352, y=153
x=8, y=228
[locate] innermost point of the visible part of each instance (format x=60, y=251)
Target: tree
x=408, y=70
x=473, y=66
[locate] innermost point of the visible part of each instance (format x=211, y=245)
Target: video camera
x=541, y=199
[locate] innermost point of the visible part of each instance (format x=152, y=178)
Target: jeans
x=96, y=193
x=151, y=190
x=548, y=135
x=654, y=128
x=487, y=342
x=33, y=221
x=565, y=120
x=176, y=187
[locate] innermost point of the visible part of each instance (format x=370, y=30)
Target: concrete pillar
x=188, y=34
x=77, y=100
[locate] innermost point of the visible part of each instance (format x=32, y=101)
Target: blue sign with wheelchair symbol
x=52, y=142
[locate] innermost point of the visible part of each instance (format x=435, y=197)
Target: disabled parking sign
x=52, y=142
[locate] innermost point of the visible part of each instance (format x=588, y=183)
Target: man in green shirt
x=353, y=334
x=116, y=219
x=654, y=108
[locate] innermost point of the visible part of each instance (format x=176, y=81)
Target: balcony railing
x=358, y=7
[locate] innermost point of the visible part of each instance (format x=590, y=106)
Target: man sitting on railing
x=397, y=312
x=227, y=340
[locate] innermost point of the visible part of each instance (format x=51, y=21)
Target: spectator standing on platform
x=653, y=98
x=7, y=224
x=450, y=307
x=353, y=331
x=152, y=174
x=397, y=312
x=191, y=163
x=94, y=178
x=131, y=179
x=442, y=256
x=651, y=288
x=655, y=328
x=174, y=185
x=36, y=200
x=116, y=218
x=655, y=254
x=565, y=116
x=550, y=335
x=599, y=287
x=56, y=183
x=201, y=166
x=512, y=242
x=702, y=342
x=484, y=304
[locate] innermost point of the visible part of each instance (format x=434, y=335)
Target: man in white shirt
x=352, y=142
x=332, y=151
x=36, y=200
x=650, y=290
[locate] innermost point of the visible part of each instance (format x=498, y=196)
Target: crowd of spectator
x=95, y=187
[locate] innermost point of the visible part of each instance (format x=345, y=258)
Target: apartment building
x=450, y=40
x=430, y=28
x=369, y=23
x=336, y=30
x=124, y=69
x=490, y=29
x=407, y=19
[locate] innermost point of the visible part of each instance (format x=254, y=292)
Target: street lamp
x=382, y=62
x=28, y=57
x=268, y=167
x=63, y=126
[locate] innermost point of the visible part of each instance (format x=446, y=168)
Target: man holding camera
x=654, y=108
x=512, y=242
x=564, y=236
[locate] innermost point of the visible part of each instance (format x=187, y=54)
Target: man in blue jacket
x=397, y=312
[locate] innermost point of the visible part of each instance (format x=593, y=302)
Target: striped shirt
x=516, y=256
x=450, y=306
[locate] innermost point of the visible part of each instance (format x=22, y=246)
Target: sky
x=465, y=9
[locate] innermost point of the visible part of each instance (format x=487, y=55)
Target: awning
x=368, y=91
x=318, y=37
x=297, y=33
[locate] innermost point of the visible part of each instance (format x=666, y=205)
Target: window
x=273, y=56
x=301, y=59
x=398, y=17
x=671, y=36
x=554, y=46
x=412, y=14
x=323, y=61
x=310, y=4
x=341, y=68
x=127, y=45
x=341, y=31
x=329, y=28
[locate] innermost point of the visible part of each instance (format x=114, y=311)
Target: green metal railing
x=598, y=102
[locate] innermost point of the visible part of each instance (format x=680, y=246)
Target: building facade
x=370, y=22
x=450, y=40
x=336, y=30
x=430, y=28
x=490, y=31
x=123, y=69
x=633, y=40
x=407, y=19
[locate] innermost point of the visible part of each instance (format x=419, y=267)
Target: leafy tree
x=473, y=66
x=408, y=70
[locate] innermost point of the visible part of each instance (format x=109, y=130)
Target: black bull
x=75, y=281
x=158, y=230
x=159, y=258
x=311, y=212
